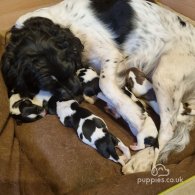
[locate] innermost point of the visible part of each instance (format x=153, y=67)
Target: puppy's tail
x=179, y=141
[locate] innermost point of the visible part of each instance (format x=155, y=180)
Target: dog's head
x=25, y=111
x=90, y=83
x=86, y=75
x=40, y=54
x=134, y=76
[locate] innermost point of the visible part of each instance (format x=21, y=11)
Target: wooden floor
x=10, y=10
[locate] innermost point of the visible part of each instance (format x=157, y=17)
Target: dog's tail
x=180, y=139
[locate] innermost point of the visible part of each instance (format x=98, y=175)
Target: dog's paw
x=136, y=147
x=140, y=162
x=89, y=99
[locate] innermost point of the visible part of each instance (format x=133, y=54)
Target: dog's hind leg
x=170, y=88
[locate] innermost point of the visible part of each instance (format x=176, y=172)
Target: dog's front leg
x=109, y=85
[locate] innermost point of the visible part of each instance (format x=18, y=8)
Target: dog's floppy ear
x=51, y=105
x=74, y=105
x=17, y=103
x=68, y=122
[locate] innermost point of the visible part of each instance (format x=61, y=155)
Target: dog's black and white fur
x=90, y=83
x=141, y=87
x=148, y=135
x=92, y=130
x=119, y=34
x=25, y=109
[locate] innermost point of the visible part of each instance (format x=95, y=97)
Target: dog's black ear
x=17, y=103
x=112, y=150
x=114, y=139
x=45, y=104
x=51, y=105
x=68, y=122
x=74, y=106
x=102, y=148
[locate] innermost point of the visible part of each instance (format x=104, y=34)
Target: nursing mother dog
x=119, y=34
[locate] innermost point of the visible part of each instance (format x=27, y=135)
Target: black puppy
x=92, y=130
x=42, y=56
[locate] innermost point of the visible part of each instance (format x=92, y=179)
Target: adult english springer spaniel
x=42, y=56
x=117, y=35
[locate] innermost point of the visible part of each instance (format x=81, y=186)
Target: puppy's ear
x=17, y=103
x=68, y=122
x=45, y=104
x=129, y=83
x=51, y=105
x=74, y=106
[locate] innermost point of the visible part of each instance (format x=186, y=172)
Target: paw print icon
x=160, y=171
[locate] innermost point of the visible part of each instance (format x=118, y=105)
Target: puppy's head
x=38, y=51
x=134, y=76
x=27, y=111
x=90, y=83
x=86, y=75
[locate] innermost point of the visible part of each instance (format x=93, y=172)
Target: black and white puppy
x=148, y=135
x=137, y=82
x=92, y=130
x=90, y=83
x=141, y=87
x=24, y=109
x=89, y=79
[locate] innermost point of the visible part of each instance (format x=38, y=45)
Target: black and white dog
x=117, y=35
x=90, y=83
x=25, y=109
x=92, y=130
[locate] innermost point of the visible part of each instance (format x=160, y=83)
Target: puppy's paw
x=88, y=99
x=112, y=112
x=140, y=162
x=136, y=147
